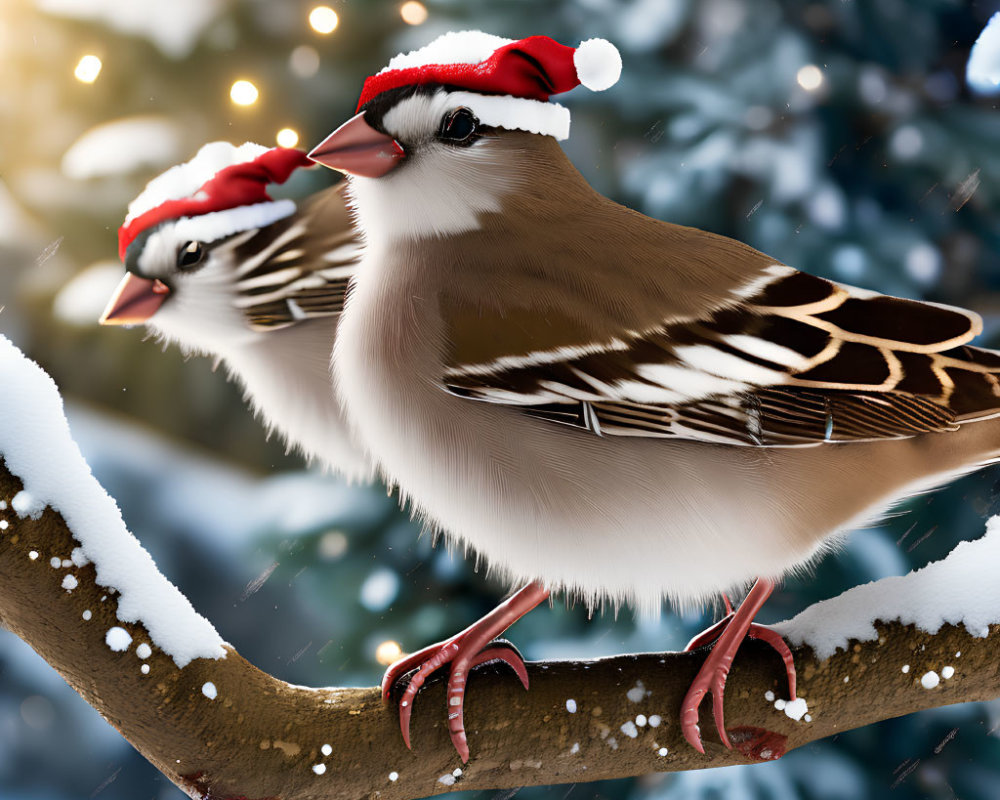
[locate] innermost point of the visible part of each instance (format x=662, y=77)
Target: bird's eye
x=190, y=255
x=459, y=126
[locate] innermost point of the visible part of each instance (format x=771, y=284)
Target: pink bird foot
x=465, y=650
x=728, y=635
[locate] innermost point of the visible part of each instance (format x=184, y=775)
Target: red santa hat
x=221, y=191
x=527, y=71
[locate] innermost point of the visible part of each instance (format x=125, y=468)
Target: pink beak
x=135, y=300
x=358, y=149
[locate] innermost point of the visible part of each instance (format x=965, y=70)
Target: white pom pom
x=598, y=64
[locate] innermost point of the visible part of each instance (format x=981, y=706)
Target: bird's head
x=180, y=242
x=444, y=132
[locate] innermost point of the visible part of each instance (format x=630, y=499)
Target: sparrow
x=604, y=404
x=216, y=266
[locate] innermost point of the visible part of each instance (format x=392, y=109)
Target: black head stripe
x=137, y=246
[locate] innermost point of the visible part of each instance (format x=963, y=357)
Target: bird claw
x=728, y=634
x=412, y=672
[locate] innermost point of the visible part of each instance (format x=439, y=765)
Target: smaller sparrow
x=216, y=266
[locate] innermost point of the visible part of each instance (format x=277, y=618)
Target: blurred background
x=838, y=136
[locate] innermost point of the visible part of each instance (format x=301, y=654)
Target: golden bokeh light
x=287, y=137
x=413, y=12
x=323, y=19
x=243, y=93
x=87, y=69
x=388, y=652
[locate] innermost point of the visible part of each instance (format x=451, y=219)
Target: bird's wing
x=797, y=360
x=299, y=270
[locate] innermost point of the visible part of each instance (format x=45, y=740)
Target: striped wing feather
x=799, y=361
x=300, y=268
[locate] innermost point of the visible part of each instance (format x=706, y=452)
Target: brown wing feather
x=850, y=366
x=300, y=267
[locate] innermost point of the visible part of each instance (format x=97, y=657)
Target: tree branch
x=262, y=738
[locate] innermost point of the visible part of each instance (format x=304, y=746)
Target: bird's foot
x=468, y=649
x=728, y=634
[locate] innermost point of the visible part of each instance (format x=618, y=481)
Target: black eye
x=190, y=255
x=459, y=126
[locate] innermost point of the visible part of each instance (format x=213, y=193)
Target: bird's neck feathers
x=436, y=196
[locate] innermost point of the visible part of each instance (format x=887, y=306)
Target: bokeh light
x=287, y=137
x=243, y=93
x=413, y=12
x=809, y=77
x=88, y=68
x=304, y=61
x=388, y=652
x=323, y=19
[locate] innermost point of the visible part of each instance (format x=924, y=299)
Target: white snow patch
x=574, y=749
x=123, y=146
x=326, y=750
x=447, y=779
x=961, y=590
x=118, y=639
x=173, y=27
x=87, y=615
x=948, y=673
x=67, y=563
x=769, y=696
x=641, y=720
x=796, y=709
x=183, y=180
x=780, y=704
x=24, y=503
x=457, y=772
x=454, y=47
x=78, y=558
x=69, y=582
x=393, y=776
x=319, y=769
x=637, y=692
x=3, y=505
x=929, y=680
x=144, y=651
x=208, y=689
x=144, y=669
x=808, y=718
x=629, y=729
x=655, y=720
x=906, y=668
x=55, y=562
x=958, y=654
x=35, y=442
x=982, y=72
x=571, y=706
x=662, y=751
x=32, y=554
x=4, y=524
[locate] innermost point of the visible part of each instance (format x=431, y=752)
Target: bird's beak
x=358, y=149
x=135, y=300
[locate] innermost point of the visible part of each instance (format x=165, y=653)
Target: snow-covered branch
x=79, y=589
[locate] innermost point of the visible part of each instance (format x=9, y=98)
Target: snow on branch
x=77, y=587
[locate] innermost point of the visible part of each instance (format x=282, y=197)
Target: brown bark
x=261, y=738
